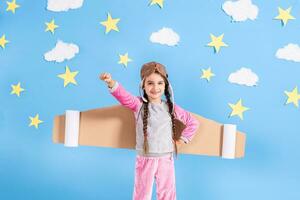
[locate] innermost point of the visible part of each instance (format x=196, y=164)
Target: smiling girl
x=156, y=139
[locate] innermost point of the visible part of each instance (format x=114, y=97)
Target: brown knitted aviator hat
x=152, y=67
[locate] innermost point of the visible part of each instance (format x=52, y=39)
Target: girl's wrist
x=111, y=84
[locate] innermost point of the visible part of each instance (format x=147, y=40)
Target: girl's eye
x=160, y=83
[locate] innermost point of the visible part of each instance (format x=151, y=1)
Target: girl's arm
x=191, y=123
x=124, y=97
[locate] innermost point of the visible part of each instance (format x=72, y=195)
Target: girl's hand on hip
x=179, y=142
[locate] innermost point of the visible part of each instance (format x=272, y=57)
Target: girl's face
x=154, y=87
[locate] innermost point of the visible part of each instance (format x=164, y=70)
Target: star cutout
x=35, y=121
x=51, y=26
x=207, y=74
x=238, y=109
x=217, y=42
x=68, y=77
x=124, y=59
x=16, y=89
x=293, y=97
x=284, y=15
x=110, y=24
x=11, y=6
x=160, y=3
x=3, y=41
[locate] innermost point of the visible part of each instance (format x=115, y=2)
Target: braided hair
x=145, y=123
x=170, y=105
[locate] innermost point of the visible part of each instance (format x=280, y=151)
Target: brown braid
x=145, y=123
x=170, y=105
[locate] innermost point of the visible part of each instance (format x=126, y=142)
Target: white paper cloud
x=289, y=52
x=240, y=10
x=63, y=5
x=243, y=76
x=165, y=36
x=62, y=51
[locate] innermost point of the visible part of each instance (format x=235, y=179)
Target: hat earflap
x=141, y=91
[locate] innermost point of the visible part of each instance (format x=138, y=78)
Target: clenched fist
x=106, y=77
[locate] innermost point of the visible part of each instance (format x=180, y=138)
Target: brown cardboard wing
x=115, y=127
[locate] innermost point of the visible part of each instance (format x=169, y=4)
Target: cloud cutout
x=240, y=10
x=165, y=36
x=289, y=52
x=62, y=51
x=243, y=76
x=63, y=5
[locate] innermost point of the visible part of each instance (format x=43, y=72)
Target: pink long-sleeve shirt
x=159, y=128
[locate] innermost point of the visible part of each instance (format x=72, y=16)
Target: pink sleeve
x=191, y=123
x=125, y=98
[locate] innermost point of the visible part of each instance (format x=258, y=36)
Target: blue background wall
x=32, y=167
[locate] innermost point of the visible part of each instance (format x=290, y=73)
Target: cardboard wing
x=115, y=127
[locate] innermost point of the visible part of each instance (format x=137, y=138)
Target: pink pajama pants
x=160, y=168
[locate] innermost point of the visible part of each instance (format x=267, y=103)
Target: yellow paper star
x=35, y=121
x=11, y=6
x=284, y=15
x=238, y=109
x=51, y=26
x=124, y=59
x=16, y=89
x=217, y=42
x=160, y=3
x=293, y=97
x=110, y=24
x=68, y=77
x=3, y=41
x=207, y=74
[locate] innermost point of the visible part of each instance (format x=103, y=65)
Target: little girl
x=156, y=140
